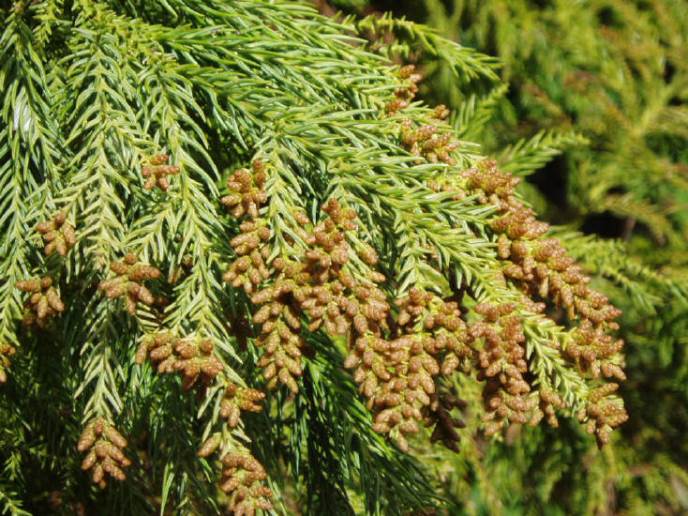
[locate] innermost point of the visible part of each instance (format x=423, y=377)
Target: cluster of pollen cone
x=103, y=446
x=400, y=353
x=543, y=270
x=42, y=302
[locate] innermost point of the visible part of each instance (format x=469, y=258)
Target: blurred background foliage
x=589, y=103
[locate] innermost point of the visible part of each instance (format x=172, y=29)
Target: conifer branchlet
x=318, y=285
x=277, y=316
x=242, y=475
x=542, y=269
x=502, y=364
x=603, y=413
x=250, y=270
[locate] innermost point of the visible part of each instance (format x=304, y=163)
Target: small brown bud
x=210, y=445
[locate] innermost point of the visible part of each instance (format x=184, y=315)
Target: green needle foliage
x=596, y=93
x=242, y=269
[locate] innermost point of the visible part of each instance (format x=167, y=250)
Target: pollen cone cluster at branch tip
x=58, y=235
x=192, y=356
x=128, y=282
x=406, y=93
x=242, y=474
x=315, y=283
x=242, y=480
x=157, y=172
x=43, y=303
x=103, y=446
